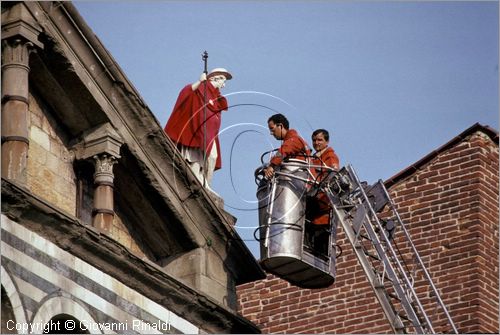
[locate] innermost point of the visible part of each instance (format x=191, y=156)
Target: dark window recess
x=84, y=172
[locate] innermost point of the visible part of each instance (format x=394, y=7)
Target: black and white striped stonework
x=43, y=281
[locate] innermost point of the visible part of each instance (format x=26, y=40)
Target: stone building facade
x=104, y=228
x=449, y=202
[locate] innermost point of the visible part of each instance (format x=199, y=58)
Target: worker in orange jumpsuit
x=293, y=146
x=318, y=207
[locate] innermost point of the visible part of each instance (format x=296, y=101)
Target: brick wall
x=450, y=206
x=452, y=209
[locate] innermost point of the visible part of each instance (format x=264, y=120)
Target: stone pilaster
x=15, y=114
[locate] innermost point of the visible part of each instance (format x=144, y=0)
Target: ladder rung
x=359, y=245
x=393, y=296
x=386, y=279
x=371, y=256
x=385, y=267
x=398, y=324
x=365, y=237
x=346, y=206
x=377, y=283
x=406, y=318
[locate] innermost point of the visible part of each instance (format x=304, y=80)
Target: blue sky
x=391, y=81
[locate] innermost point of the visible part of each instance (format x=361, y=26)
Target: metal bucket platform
x=282, y=205
x=308, y=272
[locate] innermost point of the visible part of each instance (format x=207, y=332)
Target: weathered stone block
x=215, y=267
x=39, y=136
x=187, y=265
x=203, y=270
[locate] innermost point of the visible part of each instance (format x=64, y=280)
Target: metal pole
x=204, y=57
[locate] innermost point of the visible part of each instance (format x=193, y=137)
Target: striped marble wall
x=43, y=281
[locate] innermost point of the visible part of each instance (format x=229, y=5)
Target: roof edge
x=491, y=132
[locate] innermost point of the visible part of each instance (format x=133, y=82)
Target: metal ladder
x=389, y=259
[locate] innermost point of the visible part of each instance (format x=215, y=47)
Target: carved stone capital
x=15, y=53
x=15, y=69
x=104, y=169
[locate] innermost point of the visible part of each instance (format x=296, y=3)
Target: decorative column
x=103, y=211
x=19, y=38
x=102, y=145
x=15, y=114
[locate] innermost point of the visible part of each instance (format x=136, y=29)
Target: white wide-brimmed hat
x=219, y=70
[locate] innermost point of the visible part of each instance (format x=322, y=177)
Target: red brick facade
x=449, y=202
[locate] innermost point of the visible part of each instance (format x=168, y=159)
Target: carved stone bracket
x=102, y=139
x=18, y=21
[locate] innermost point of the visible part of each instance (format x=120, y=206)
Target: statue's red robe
x=185, y=125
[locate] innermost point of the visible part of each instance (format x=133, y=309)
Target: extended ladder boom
x=387, y=255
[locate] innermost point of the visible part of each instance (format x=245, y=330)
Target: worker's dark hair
x=279, y=118
x=325, y=133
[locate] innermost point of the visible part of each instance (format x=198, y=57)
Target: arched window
x=7, y=313
x=63, y=315
x=64, y=324
x=12, y=307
